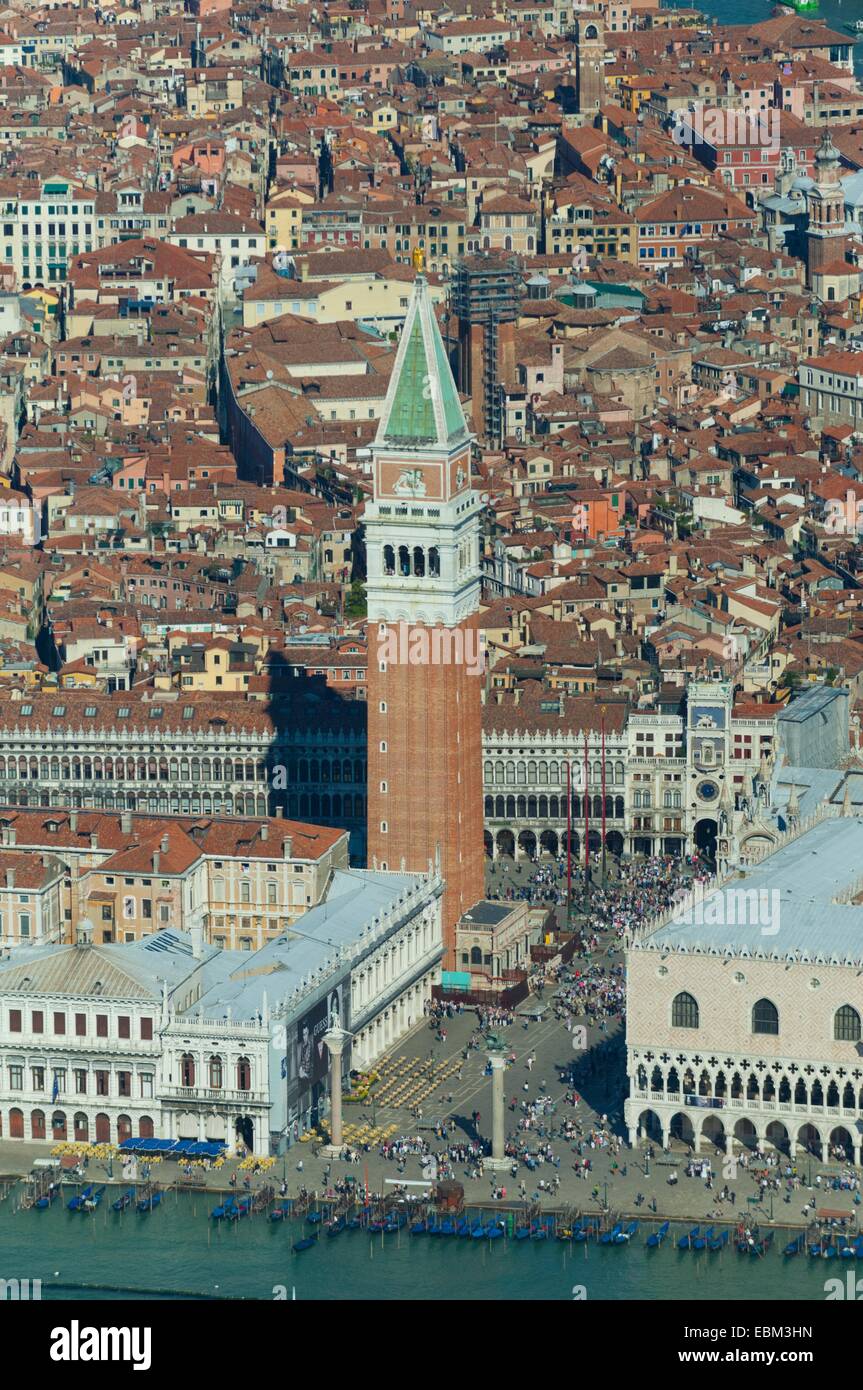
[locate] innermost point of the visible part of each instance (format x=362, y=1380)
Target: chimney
x=265, y=831
x=10, y=878
x=280, y=813
x=73, y=822
x=94, y=840
x=197, y=941
x=126, y=822
x=288, y=847
x=165, y=843
x=155, y=861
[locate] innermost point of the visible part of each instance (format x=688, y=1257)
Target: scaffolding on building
x=486, y=291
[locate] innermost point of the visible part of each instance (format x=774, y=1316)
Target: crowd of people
x=651, y=886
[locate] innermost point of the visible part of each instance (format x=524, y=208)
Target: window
x=123, y=1029
x=101, y=1025
x=146, y=1030
x=684, y=1011
x=59, y=1025
x=14, y=1020
x=846, y=1024
x=80, y=1081
x=765, y=1017
x=38, y=1022
x=80, y=1025
x=102, y=1083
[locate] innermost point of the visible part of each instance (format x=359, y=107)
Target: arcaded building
x=744, y=1009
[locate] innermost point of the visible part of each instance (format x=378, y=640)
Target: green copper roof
x=422, y=406
x=412, y=410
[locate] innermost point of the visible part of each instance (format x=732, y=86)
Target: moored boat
x=92, y=1202
x=623, y=1236
x=305, y=1244
x=685, y=1242
x=655, y=1239
x=719, y=1242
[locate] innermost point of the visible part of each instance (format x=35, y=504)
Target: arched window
x=404, y=561
x=475, y=955
x=389, y=560
x=419, y=561
x=846, y=1024
x=215, y=1069
x=684, y=1011
x=187, y=1069
x=244, y=1074
x=765, y=1017
x=434, y=562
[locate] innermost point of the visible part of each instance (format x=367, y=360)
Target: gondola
x=336, y=1226
x=305, y=1244
x=278, y=1213
x=608, y=1237
x=146, y=1204
x=588, y=1230
x=844, y=1249
x=700, y=1241
x=523, y=1233
x=124, y=1200
x=314, y=1218
x=626, y=1235
x=241, y=1208
x=762, y=1245
x=494, y=1232
x=74, y=1204
x=719, y=1242
x=685, y=1242
x=46, y=1199
x=419, y=1228
x=796, y=1246
x=91, y=1203
x=655, y=1239
x=539, y=1232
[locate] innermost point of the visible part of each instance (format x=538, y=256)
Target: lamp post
x=602, y=766
x=586, y=823
x=569, y=842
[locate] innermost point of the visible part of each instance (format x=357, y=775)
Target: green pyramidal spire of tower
x=422, y=408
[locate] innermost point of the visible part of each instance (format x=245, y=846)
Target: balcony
x=209, y=1094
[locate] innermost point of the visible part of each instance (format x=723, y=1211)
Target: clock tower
x=425, y=660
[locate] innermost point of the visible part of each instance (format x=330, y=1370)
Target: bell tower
x=825, y=203
x=425, y=662
x=590, y=61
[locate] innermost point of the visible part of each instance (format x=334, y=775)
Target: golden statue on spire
x=418, y=256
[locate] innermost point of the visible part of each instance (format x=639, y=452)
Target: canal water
x=836, y=13
x=177, y=1251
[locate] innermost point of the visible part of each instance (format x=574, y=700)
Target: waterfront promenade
x=619, y=1179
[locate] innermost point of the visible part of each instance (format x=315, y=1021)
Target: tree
x=355, y=603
